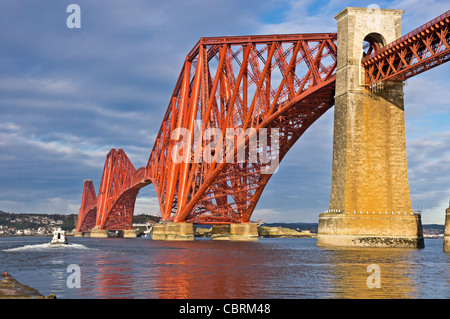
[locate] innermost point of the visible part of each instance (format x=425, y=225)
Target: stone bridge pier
x=370, y=202
x=447, y=230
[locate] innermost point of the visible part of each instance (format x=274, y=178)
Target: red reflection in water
x=209, y=270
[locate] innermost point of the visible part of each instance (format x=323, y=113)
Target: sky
x=69, y=95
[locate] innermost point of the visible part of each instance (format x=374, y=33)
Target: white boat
x=148, y=231
x=59, y=237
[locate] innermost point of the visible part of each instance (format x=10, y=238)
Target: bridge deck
x=421, y=49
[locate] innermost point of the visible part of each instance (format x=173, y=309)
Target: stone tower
x=370, y=203
x=447, y=230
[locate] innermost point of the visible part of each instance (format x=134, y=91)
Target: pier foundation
x=244, y=232
x=374, y=229
x=129, y=233
x=99, y=233
x=370, y=202
x=173, y=231
x=220, y=232
x=447, y=231
x=159, y=232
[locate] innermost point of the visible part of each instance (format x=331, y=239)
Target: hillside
x=34, y=221
x=68, y=222
x=65, y=221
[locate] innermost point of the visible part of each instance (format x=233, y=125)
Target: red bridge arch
x=283, y=82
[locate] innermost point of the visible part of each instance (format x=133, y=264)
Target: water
x=268, y=268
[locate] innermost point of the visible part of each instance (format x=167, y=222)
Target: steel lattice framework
x=88, y=209
x=272, y=86
x=421, y=49
x=284, y=82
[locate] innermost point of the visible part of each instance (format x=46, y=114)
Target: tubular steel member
x=88, y=210
x=236, y=95
x=251, y=85
x=118, y=190
x=421, y=49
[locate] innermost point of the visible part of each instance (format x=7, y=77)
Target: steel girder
x=258, y=84
x=88, y=210
x=118, y=190
x=421, y=49
x=252, y=83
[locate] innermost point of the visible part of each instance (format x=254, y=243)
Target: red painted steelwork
x=255, y=83
x=118, y=190
x=422, y=49
x=88, y=210
x=284, y=82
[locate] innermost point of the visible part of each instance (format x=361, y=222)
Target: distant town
x=12, y=224
x=34, y=224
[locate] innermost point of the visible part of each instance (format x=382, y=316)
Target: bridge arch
x=263, y=82
x=373, y=42
x=277, y=83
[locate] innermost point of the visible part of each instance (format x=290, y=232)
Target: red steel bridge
x=254, y=83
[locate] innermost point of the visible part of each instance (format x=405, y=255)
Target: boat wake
x=47, y=246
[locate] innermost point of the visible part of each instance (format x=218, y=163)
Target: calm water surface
x=268, y=268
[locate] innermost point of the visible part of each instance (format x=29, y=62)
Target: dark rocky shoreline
x=10, y=288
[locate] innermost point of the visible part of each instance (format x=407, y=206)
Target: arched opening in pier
x=372, y=42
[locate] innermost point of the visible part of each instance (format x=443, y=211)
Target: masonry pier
x=99, y=233
x=185, y=231
x=173, y=231
x=220, y=232
x=370, y=202
x=244, y=232
x=447, y=230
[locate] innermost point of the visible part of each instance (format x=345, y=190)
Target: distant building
x=29, y=232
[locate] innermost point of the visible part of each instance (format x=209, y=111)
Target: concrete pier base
x=173, y=231
x=159, y=232
x=129, y=233
x=447, y=244
x=370, y=230
x=220, y=232
x=370, y=204
x=179, y=231
x=244, y=232
x=78, y=234
x=447, y=231
x=99, y=233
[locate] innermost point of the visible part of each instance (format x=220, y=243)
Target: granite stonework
x=447, y=230
x=370, y=202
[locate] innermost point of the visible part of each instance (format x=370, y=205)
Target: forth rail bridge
x=283, y=83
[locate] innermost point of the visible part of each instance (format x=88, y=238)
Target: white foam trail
x=47, y=247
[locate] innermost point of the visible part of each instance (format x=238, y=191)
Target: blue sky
x=67, y=96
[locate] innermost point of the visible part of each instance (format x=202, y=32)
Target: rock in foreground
x=10, y=288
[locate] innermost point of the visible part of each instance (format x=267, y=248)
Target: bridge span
x=240, y=103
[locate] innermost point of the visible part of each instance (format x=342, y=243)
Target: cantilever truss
x=258, y=84
x=419, y=50
x=88, y=210
x=118, y=190
x=267, y=89
x=264, y=88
